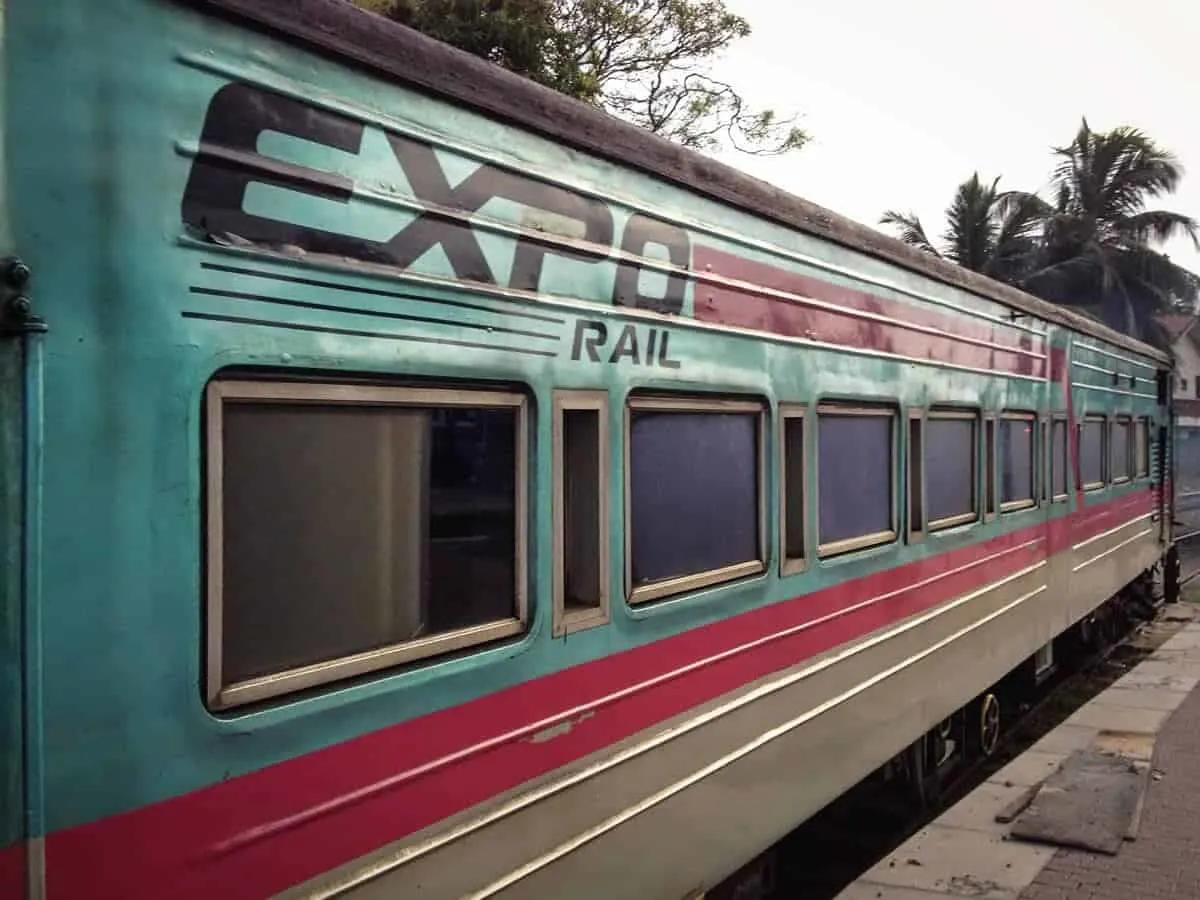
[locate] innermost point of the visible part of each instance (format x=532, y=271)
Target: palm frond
x=1158, y=226
x=910, y=230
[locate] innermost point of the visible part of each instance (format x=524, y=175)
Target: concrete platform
x=966, y=853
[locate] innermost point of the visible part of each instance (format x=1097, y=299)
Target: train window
x=989, y=466
x=916, y=487
x=1121, y=450
x=1017, y=469
x=1141, y=452
x=792, y=504
x=351, y=528
x=1043, y=467
x=1091, y=452
x=580, y=510
x=951, y=457
x=1058, y=460
x=856, y=452
x=694, y=494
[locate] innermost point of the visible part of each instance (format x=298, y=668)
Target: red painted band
x=12, y=872
x=254, y=835
x=848, y=326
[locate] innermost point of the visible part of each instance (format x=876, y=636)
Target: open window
x=792, y=505
x=989, y=466
x=580, y=510
x=915, y=488
x=690, y=463
x=353, y=528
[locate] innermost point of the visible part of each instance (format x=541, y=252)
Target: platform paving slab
x=1103, y=715
x=1066, y=738
x=978, y=810
x=954, y=861
x=1030, y=768
x=1164, y=862
x=1150, y=713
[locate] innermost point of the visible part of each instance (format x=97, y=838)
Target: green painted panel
x=144, y=311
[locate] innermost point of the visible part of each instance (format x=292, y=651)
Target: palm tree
x=990, y=231
x=1098, y=243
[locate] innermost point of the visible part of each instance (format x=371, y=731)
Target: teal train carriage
x=417, y=484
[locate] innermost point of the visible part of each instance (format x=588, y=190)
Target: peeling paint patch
x=555, y=731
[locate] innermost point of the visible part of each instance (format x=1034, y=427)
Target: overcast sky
x=905, y=99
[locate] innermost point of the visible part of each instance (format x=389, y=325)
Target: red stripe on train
x=848, y=326
x=12, y=872
x=256, y=834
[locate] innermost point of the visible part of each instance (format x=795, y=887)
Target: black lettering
x=627, y=345
x=640, y=231
x=663, y=351
x=650, y=346
x=448, y=227
x=589, y=342
x=228, y=162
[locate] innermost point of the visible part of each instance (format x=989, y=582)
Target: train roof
x=436, y=68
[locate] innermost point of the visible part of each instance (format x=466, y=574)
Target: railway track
x=826, y=853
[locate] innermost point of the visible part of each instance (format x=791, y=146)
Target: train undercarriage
x=931, y=772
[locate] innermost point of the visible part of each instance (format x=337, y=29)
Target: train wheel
x=989, y=725
x=984, y=726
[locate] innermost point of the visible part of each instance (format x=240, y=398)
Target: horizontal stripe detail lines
x=777, y=301
x=355, y=332
x=503, y=321
x=343, y=802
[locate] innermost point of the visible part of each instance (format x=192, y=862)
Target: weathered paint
x=252, y=836
x=154, y=275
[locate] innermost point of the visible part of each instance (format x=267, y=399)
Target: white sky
x=905, y=98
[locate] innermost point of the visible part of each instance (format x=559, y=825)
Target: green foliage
x=987, y=230
x=1093, y=246
x=645, y=61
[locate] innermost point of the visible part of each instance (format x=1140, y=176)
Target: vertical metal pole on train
x=19, y=323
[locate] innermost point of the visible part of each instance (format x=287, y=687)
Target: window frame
x=914, y=472
x=1011, y=506
x=267, y=391
x=933, y=525
x=879, y=538
x=789, y=565
x=1101, y=420
x=684, y=584
x=1065, y=460
x=1043, y=460
x=566, y=621
x=989, y=488
x=1114, y=422
x=1141, y=463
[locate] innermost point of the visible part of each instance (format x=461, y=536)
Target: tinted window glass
x=855, y=472
x=693, y=492
x=950, y=453
x=1058, y=459
x=1121, y=436
x=350, y=528
x=1016, y=460
x=1091, y=451
x=1141, y=454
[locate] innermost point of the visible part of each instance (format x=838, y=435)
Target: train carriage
x=417, y=484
